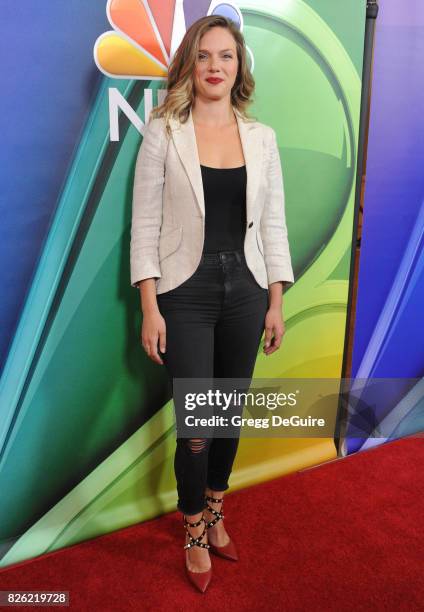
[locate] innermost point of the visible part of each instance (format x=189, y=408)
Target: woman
x=209, y=253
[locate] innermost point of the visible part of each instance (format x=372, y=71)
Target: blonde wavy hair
x=180, y=81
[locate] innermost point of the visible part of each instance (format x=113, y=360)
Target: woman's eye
x=202, y=56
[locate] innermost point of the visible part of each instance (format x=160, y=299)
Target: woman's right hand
x=153, y=329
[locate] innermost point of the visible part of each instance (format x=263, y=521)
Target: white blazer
x=168, y=211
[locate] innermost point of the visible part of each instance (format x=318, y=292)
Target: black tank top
x=225, y=208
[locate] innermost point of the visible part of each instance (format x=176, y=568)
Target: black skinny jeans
x=214, y=324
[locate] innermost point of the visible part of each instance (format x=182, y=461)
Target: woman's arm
x=153, y=329
x=276, y=248
x=145, y=232
x=147, y=204
x=273, y=225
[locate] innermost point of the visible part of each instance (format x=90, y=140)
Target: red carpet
x=347, y=535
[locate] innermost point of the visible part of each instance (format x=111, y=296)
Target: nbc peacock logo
x=146, y=34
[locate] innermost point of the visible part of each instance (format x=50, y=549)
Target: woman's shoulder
x=154, y=131
x=267, y=131
x=267, y=128
x=155, y=124
x=254, y=123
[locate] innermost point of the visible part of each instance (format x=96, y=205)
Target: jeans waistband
x=224, y=256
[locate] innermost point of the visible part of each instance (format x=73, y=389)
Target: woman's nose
x=213, y=64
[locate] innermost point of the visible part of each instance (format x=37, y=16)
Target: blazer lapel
x=184, y=138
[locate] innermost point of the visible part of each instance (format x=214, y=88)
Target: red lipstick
x=214, y=80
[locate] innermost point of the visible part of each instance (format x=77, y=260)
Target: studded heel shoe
x=199, y=579
x=228, y=551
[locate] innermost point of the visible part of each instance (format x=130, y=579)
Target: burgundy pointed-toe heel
x=228, y=551
x=200, y=580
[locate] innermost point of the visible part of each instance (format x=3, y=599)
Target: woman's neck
x=213, y=114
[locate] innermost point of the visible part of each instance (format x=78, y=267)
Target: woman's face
x=216, y=59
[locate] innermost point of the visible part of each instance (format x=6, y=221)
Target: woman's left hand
x=274, y=330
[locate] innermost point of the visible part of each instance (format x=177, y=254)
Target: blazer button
x=250, y=224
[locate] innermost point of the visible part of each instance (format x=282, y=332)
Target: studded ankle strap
x=195, y=541
x=218, y=514
x=216, y=500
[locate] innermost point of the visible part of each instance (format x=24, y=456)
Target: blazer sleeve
x=146, y=219
x=273, y=220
